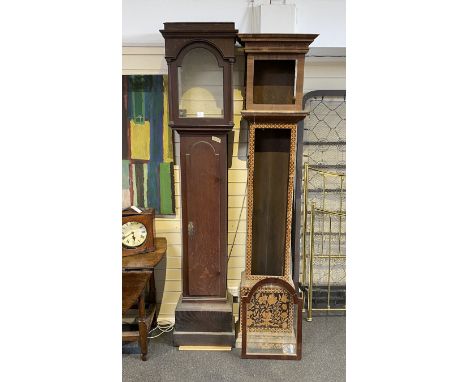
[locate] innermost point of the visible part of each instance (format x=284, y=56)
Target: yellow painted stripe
x=140, y=140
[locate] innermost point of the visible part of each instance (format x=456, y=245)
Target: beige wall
x=320, y=74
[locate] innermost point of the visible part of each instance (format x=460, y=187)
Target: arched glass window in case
x=200, y=85
x=272, y=321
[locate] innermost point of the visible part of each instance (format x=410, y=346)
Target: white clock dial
x=133, y=234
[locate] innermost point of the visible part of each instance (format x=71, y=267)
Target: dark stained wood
x=203, y=151
x=219, y=39
x=145, y=317
x=204, y=317
x=276, y=42
x=204, y=338
x=179, y=34
x=274, y=47
x=205, y=184
x=133, y=290
x=204, y=213
x=142, y=328
x=137, y=274
x=133, y=284
x=199, y=322
x=274, y=116
x=203, y=173
x=274, y=82
x=147, y=219
x=270, y=199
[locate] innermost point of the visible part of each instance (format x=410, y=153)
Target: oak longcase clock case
x=200, y=57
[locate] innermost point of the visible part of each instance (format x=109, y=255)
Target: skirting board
x=205, y=348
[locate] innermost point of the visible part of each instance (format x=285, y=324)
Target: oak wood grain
x=147, y=260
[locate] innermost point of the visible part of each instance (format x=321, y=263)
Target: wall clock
x=137, y=231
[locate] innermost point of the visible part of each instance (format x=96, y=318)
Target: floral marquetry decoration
x=270, y=309
x=271, y=319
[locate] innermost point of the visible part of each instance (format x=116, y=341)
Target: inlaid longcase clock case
x=270, y=308
x=200, y=58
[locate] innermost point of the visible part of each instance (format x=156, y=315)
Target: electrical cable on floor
x=163, y=326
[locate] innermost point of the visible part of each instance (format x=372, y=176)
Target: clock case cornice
x=275, y=47
x=287, y=43
x=219, y=35
x=219, y=38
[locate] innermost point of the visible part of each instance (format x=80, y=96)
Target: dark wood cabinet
x=200, y=57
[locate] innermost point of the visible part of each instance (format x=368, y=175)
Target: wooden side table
x=137, y=273
x=133, y=290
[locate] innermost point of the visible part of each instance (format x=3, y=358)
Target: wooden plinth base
x=199, y=323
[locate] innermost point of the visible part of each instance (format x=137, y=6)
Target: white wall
x=142, y=19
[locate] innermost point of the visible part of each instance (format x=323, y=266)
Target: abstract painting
x=147, y=144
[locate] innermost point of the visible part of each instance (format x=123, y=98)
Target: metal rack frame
x=297, y=216
x=300, y=219
x=340, y=214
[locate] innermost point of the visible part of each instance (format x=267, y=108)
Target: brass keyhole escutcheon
x=191, y=229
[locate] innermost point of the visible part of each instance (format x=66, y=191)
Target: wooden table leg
x=143, y=338
x=152, y=298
